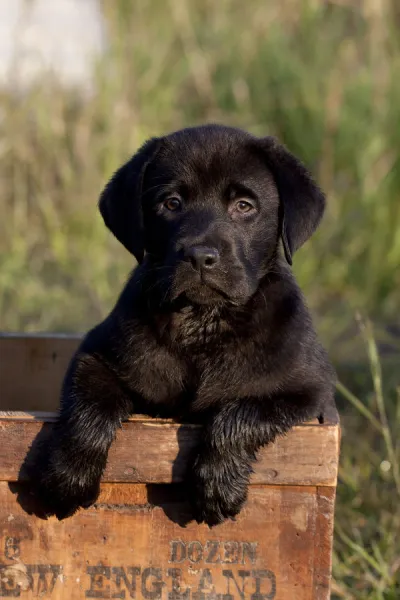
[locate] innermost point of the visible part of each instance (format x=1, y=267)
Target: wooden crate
x=132, y=544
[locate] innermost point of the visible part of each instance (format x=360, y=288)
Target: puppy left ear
x=120, y=203
x=302, y=201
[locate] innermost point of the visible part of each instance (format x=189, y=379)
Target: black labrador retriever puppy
x=210, y=327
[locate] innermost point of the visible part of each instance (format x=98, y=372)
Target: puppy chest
x=157, y=375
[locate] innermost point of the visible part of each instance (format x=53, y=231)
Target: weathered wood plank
x=155, y=451
x=323, y=542
x=32, y=368
x=51, y=417
x=137, y=549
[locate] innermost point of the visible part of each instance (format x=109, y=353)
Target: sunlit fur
x=232, y=347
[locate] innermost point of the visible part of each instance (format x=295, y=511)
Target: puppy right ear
x=120, y=202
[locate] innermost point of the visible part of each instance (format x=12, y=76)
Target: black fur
x=211, y=326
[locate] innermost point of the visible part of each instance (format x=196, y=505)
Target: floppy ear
x=302, y=201
x=120, y=203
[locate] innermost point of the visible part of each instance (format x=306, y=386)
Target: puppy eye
x=243, y=206
x=173, y=203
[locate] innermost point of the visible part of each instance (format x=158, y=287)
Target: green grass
x=367, y=541
x=322, y=76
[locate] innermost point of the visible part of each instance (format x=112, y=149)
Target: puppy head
x=208, y=206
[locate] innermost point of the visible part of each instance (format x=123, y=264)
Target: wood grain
x=156, y=451
x=139, y=550
x=32, y=368
x=323, y=542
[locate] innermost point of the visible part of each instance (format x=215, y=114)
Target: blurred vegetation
x=366, y=561
x=324, y=77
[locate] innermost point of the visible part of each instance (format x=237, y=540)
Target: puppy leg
x=232, y=438
x=66, y=473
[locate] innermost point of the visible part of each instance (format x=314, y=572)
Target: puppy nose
x=202, y=257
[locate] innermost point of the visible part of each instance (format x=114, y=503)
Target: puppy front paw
x=60, y=489
x=62, y=495
x=219, y=488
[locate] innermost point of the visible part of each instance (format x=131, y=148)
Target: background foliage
x=324, y=77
